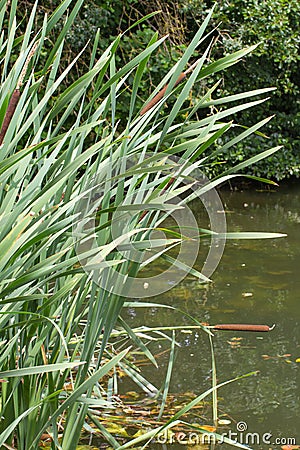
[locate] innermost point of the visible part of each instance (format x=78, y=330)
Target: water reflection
x=256, y=282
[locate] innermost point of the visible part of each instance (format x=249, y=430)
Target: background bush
x=274, y=23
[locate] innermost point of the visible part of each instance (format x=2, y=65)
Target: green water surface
x=257, y=281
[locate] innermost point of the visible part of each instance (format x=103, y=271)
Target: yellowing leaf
x=208, y=428
x=205, y=427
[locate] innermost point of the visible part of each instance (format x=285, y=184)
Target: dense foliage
x=273, y=23
x=82, y=207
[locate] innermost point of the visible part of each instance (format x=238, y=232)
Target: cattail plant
x=56, y=320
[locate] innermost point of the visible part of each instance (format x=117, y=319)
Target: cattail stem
x=162, y=92
x=152, y=103
x=9, y=113
x=243, y=327
x=16, y=95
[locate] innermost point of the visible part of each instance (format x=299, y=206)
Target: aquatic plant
x=81, y=201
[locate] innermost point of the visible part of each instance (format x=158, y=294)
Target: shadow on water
x=258, y=282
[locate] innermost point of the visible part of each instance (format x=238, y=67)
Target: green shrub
x=275, y=62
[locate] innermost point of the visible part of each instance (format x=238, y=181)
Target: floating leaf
x=198, y=447
x=116, y=429
x=86, y=447
x=209, y=428
x=224, y=422
x=290, y=447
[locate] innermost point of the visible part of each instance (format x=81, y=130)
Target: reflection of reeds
x=14, y=99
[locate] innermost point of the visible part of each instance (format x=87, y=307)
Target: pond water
x=257, y=281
